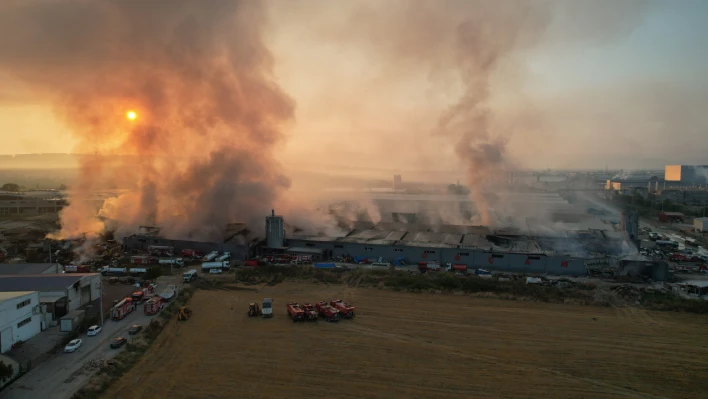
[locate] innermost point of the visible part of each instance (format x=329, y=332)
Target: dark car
x=118, y=342
x=134, y=329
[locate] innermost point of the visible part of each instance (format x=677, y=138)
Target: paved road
x=61, y=376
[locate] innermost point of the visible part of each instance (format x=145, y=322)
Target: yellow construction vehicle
x=184, y=313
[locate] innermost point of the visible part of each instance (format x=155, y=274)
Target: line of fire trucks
x=152, y=303
x=332, y=311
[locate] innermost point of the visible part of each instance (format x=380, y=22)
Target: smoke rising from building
x=208, y=114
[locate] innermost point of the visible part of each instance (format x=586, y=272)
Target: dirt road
x=420, y=346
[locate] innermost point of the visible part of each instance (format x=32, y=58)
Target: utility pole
x=100, y=295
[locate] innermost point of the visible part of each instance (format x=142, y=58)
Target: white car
x=94, y=330
x=73, y=345
x=215, y=271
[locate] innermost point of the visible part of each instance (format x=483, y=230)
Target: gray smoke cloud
x=473, y=53
x=198, y=75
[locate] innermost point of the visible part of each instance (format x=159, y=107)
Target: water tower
x=275, y=235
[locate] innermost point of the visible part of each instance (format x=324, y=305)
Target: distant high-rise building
x=687, y=174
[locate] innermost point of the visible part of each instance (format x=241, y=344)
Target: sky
x=633, y=98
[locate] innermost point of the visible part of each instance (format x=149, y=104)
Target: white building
x=62, y=293
x=20, y=317
x=700, y=224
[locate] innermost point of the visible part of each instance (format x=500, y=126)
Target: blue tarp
x=399, y=261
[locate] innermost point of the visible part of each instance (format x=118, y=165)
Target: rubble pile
x=628, y=292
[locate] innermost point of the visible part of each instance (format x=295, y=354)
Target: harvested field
x=404, y=345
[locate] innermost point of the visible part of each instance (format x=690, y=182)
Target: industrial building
x=652, y=183
x=30, y=268
x=700, y=224
x=671, y=217
x=62, y=293
x=20, y=317
x=29, y=206
x=688, y=175
x=236, y=240
x=474, y=246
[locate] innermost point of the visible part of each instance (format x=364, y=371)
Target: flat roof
x=305, y=250
x=4, y=296
x=41, y=282
x=27, y=268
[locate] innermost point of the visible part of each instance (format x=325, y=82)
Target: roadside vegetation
x=448, y=283
x=113, y=369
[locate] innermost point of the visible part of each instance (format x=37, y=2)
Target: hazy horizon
x=623, y=86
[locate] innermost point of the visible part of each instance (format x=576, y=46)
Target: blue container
x=324, y=265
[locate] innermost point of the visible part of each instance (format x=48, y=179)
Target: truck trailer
x=224, y=265
x=177, y=262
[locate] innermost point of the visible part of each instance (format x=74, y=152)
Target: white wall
x=10, y=316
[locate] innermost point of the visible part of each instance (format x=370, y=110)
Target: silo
x=630, y=224
x=275, y=235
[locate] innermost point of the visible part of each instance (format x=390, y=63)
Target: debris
x=628, y=292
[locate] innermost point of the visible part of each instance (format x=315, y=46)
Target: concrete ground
x=65, y=373
x=38, y=348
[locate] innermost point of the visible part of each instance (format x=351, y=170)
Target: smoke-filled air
x=188, y=90
x=185, y=86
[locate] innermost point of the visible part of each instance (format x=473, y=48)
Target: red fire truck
x=153, y=305
x=122, y=309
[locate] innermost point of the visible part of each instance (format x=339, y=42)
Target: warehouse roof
x=4, y=296
x=28, y=268
x=40, y=282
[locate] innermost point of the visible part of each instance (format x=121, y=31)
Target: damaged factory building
x=237, y=240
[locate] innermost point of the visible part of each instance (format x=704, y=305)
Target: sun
x=131, y=115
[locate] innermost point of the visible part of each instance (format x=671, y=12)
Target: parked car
x=215, y=271
x=118, y=342
x=94, y=330
x=73, y=345
x=134, y=329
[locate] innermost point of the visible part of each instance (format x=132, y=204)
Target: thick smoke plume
x=198, y=75
x=457, y=68
x=482, y=42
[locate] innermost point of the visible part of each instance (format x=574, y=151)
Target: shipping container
x=71, y=321
x=252, y=263
x=324, y=265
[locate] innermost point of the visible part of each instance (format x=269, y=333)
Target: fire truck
x=142, y=260
x=122, y=309
x=153, y=305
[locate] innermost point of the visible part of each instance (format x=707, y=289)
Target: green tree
x=10, y=187
x=6, y=371
x=153, y=273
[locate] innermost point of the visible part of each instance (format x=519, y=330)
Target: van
x=189, y=276
x=267, y=308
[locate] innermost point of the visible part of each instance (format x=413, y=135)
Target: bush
x=670, y=302
x=6, y=371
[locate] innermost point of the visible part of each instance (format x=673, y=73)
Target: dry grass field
x=404, y=345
